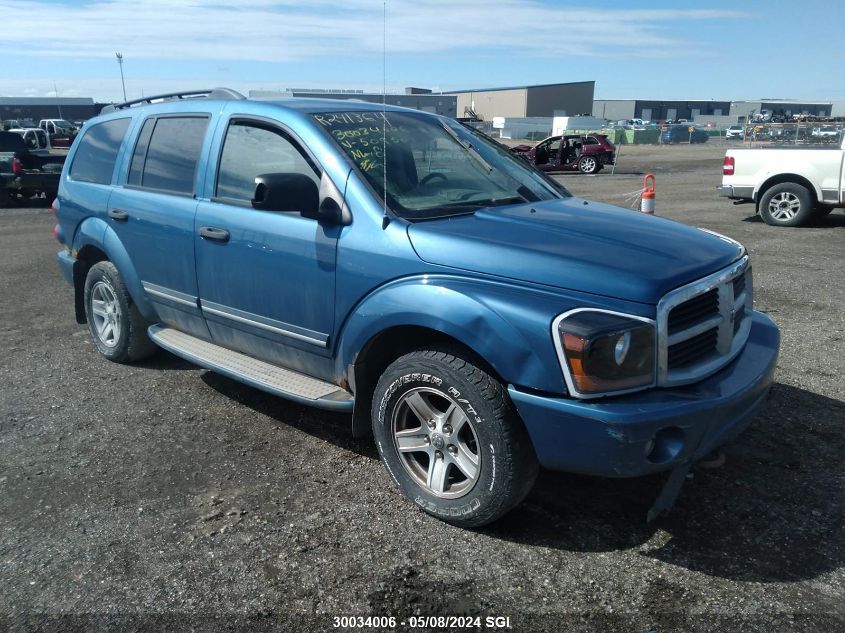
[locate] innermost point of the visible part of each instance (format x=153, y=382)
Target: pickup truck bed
x=24, y=173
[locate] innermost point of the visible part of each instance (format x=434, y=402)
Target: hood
x=577, y=245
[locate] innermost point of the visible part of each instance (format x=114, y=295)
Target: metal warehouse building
x=658, y=110
x=416, y=98
x=72, y=109
x=545, y=100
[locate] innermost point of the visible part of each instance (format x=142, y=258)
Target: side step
x=271, y=378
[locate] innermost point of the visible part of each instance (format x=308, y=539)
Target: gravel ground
x=164, y=497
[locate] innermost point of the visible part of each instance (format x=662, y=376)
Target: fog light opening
x=666, y=445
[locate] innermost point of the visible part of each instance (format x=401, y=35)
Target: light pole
x=122, y=82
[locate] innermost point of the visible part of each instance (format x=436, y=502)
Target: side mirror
x=286, y=192
x=329, y=212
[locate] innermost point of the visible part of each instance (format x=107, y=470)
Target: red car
x=588, y=153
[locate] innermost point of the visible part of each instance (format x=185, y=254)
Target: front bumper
x=730, y=191
x=658, y=429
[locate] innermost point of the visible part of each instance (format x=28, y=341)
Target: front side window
x=431, y=167
x=94, y=159
x=251, y=150
x=172, y=154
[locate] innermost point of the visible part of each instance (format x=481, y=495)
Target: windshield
x=435, y=167
x=63, y=123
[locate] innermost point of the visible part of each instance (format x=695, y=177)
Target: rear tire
x=786, y=204
x=465, y=455
x=118, y=328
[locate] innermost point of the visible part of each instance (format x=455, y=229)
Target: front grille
x=688, y=351
x=703, y=325
x=739, y=285
x=693, y=311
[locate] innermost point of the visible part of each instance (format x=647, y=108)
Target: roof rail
x=214, y=93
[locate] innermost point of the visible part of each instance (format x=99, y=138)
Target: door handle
x=119, y=215
x=214, y=233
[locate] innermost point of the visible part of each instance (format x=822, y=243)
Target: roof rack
x=214, y=93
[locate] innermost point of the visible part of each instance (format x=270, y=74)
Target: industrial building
x=658, y=110
x=37, y=108
x=416, y=98
x=546, y=100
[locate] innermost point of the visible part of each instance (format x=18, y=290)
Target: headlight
x=603, y=352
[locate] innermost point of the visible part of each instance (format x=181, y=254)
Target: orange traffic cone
x=647, y=204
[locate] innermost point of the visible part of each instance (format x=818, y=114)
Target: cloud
x=289, y=31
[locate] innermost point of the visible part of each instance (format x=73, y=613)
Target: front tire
x=117, y=327
x=450, y=438
x=786, y=204
x=588, y=165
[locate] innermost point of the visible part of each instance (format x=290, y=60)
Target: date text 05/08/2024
x=421, y=622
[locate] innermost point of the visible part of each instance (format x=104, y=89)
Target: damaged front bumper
x=655, y=430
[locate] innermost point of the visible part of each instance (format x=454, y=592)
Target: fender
x=505, y=325
x=793, y=173
x=95, y=232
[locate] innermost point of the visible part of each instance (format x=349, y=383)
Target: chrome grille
x=694, y=311
x=693, y=349
x=703, y=325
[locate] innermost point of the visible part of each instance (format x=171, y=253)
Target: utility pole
x=59, y=105
x=122, y=82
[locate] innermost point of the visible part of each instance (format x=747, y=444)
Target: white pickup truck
x=790, y=185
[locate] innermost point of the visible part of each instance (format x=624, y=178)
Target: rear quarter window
x=94, y=159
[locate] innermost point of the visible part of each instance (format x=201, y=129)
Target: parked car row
x=683, y=134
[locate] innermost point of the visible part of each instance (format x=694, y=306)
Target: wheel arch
x=782, y=178
x=94, y=242
x=389, y=323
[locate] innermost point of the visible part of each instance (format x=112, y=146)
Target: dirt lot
x=162, y=496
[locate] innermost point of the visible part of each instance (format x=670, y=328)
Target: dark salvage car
x=588, y=153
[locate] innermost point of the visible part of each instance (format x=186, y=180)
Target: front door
x=266, y=279
x=546, y=154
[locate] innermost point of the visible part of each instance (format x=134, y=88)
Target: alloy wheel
x=784, y=206
x=105, y=310
x=436, y=442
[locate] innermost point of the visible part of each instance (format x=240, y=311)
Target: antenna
x=384, y=221
x=58, y=103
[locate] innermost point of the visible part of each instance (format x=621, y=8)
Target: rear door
x=153, y=215
x=266, y=279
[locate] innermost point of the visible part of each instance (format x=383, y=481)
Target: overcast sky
x=658, y=49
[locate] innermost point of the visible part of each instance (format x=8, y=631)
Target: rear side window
x=167, y=159
x=251, y=150
x=94, y=159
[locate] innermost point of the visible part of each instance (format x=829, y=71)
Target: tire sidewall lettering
x=462, y=506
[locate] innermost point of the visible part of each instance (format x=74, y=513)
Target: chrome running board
x=256, y=373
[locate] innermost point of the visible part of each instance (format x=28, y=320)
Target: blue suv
x=473, y=316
